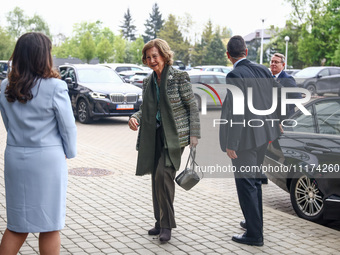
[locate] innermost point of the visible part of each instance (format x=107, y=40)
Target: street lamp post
x=287, y=40
x=261, y=53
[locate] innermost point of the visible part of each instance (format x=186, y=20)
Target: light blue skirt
x=36, y=183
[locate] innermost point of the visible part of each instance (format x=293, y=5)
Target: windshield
x=308, y=72
x=98, y=76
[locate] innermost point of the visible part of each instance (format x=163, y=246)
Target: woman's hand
x=193, y=141
x=133, y=124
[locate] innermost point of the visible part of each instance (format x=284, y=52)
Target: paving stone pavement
x=111, y=214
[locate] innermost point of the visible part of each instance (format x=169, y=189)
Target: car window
x=225, y=70
x=98, y=76
x=72, y=74
x=334, y=71
x=3, y=67
x=328, y=117
x=324, y=72
x=305, y=123
x=121, y=69
x=194, y=78
x=221, y=79
x=209, y=79
x=135, y=69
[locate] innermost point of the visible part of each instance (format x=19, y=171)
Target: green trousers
x=163, y=186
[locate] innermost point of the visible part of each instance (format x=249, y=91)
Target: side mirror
x=319, y=76
x=70, y=83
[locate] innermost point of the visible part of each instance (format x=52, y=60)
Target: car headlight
x=97, y=95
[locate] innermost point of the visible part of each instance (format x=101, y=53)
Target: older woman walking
x=168, y=121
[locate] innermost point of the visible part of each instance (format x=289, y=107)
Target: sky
x=241, y=16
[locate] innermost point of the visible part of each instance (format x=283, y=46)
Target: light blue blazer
x=46, y=120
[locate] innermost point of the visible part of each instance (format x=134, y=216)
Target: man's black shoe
x=154, y=231
x=243, y=224
x=247, y=240
x=165, y=235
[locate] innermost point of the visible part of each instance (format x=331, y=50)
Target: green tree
x=136, y=48
x=104, y=50
x=6, y=44
x=207, y=34
x=17, y=22
x=128, y=29
x=337, y=55
x=94, y=28
x=87, y=47
x=153, y=25
x=216, y=52
x=173, y=36
x=119, y=47
x=197, y=54
x=37, y=24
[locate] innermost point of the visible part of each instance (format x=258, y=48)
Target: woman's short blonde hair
x=163, y=48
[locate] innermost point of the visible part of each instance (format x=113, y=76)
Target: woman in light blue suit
x=41, y=134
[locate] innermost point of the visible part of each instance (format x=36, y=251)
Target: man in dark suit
x=246, y=135
x=277, y=65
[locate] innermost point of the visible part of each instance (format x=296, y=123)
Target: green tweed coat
x=183, y=104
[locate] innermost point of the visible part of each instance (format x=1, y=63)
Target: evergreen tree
x=216, y=52
x=153, y=25
x=128, y=29
x=173, y=36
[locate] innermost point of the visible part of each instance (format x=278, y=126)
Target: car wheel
x=306, y=198
x=83, y=112
x=311, y=89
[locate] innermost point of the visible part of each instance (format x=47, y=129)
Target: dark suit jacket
x=287, y=80
x=243, y=137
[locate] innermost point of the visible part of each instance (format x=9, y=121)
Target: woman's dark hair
x=31, y=61
x=236, y=47
x=163, y=48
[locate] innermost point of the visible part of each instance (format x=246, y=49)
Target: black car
x=308, y=77
x=305, y=160
x=97, y=91
x=3, y=69
x=328, y=84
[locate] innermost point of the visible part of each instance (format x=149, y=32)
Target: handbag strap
x=192, y=156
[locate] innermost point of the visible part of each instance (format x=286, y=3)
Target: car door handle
x=315, y=148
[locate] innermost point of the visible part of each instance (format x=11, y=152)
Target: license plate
x=125, y=107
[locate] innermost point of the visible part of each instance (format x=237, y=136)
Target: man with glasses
x=277, y=65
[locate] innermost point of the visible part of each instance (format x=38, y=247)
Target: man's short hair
x=236, y=47
x=280, y=56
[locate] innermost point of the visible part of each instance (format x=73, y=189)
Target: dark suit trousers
x=163, y=186
x=248, y=185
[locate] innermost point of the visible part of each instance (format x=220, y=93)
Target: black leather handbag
x=188, y=178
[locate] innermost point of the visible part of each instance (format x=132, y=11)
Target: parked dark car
x=308, y=77
x=179, y=65
x=97, y=91
x=328, y=84
x=307, y=160
x=3, y=69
